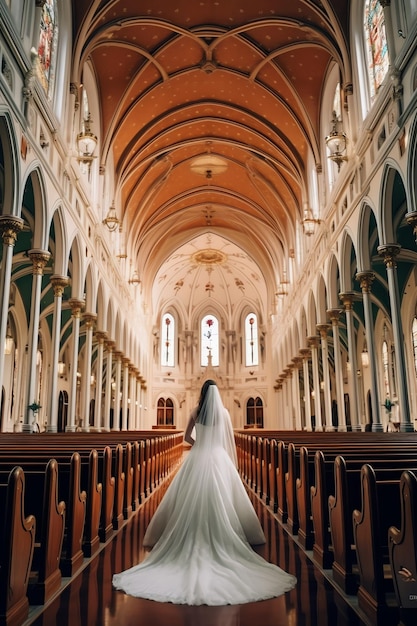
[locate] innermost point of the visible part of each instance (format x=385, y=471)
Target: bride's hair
x=203, y=393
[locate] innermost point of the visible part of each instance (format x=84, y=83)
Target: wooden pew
x=108, y=482
x=17, y=542
x=380, y=509
x=320, y=491
x=402, y=546
x=291, y=489
x=72, y=555
x=303, y=484
x=45, y=577
x=347, y=498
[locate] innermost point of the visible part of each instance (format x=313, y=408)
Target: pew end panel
x=72, y=555
x=322, y=548
x=341, y=528
x=402, y=545
x=303, y=482
x=370, y=529
x=17, y=542
x=45, y=578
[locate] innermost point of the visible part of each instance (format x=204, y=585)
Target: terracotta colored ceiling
x=239, y=80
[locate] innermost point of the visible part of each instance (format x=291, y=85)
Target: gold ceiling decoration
x=209, y=257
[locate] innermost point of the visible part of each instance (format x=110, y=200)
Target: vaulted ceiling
x=209, y=113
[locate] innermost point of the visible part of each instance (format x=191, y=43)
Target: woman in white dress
x=203, y=529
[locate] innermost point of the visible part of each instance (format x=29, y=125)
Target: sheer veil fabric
x=203, y=529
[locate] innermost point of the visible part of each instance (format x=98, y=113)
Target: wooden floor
x=90, y=599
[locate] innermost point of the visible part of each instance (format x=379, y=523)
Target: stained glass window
x=168, y=341
x=47, y=44
x=209, y=341
x=251, y=339
x=414, y=331
x=376, y=44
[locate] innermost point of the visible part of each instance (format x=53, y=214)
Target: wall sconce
x=365, y=357
x=134, y=280
x=336, y=142
x=9, y=342
x=111, y=220
x=309, y=222
x=86, y=142
x=61, y=369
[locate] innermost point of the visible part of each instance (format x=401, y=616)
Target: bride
x=203, y=529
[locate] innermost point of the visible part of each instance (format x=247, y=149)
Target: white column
x=366, y=279
x=90, y=320
x=355, y=405
x=109, y=392
x=125, y=394
x=76, y=308
x=305, y=354
x=334, y=315
x=117, y=390
x=323, y=328
x=39, y=259
x=313, y=342
x=98, y=407
x=58, y=283
x=10, y=226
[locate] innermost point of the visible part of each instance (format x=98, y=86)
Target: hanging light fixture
x=309, y=222
x=135, y=279
x=208, y=165
x=365, y=357
x=111, y=220
x=283, y=286
x=336, y=142
x=86, y=142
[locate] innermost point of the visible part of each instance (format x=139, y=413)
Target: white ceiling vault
x=210, y=117
x=209, y=269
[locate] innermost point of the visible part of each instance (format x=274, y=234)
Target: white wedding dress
x=202, y=531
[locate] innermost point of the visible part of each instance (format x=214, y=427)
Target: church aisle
x=90, y=599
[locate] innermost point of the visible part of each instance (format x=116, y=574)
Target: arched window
x=168, y=341
x=209, y=341
x=255, y=413
x=414, y=336
x=251, y=339
x=48, y=35
x=165, y=412
x=385, y=364
x=376, y=45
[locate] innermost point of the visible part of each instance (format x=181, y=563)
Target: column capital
x=305, y=353
x=76, y=306
x=125, y=361
x=334, y=315
x=101, y=336
x=10, y=226
x=347, y=298
x=365, y=280
x=298, y=362
x=389, y=252
x=118, y=354
x=59, y=283
x=110, y=345
x=89, y=319
x=323, y=329
x=313, y=341
x=39, y=259
x=411, y=219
